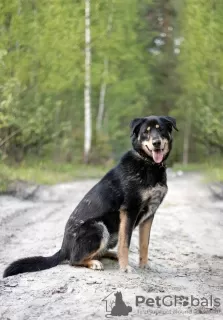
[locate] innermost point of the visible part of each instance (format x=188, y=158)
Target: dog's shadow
x=110, y=264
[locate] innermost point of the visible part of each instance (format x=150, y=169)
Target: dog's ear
x=135, y=125
x=170, y=121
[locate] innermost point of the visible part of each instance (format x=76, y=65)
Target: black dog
x=127, y=196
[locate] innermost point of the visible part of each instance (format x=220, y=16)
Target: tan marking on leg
x=123, y=250
x=144, y=237
x=110, y=255
x=91, y=263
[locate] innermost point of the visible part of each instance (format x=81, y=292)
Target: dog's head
x=152, y=136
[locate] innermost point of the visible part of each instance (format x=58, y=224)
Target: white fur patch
x=147, y=146
x=105, y=236
x=154, y=196
x=96, y=265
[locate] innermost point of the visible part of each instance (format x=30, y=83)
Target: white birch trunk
x=101, y=107
x=87, y=90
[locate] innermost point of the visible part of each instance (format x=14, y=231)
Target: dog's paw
x=126, y=269
x=95, y=265
x=144, y=266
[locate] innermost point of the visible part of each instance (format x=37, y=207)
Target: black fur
x=33, y=264
x=96, y=219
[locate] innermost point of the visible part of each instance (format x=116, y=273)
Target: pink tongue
x=158, y=156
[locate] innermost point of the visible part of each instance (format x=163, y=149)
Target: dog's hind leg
x=113, y=240
x=90, y=243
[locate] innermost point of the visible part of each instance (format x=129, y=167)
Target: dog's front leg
x=124, y=239
x=144, y=237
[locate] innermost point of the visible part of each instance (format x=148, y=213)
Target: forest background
x=74, y=73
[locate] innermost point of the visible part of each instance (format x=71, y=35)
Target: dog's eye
x=157, y=126
x=148, y=129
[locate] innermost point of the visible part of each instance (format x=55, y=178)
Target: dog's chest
x=151, y=199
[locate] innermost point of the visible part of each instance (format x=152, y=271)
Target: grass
x=191, y=167
x=214, y=174
x=213, y=171
x=47, y=173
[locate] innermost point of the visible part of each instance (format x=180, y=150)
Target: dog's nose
x=156, y=143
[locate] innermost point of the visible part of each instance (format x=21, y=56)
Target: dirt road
x=186, y=258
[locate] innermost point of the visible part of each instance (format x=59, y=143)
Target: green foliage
x=211, y=170
x=45, y=172
x=200, y=69
x=164, y=57
x=42, y=76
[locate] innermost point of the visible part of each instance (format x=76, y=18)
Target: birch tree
x=87, y=89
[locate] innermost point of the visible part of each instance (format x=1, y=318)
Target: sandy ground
x=186, y=258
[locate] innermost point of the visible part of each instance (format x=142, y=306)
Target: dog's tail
x=33, y=264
